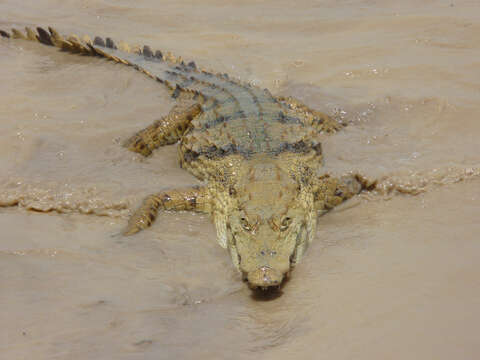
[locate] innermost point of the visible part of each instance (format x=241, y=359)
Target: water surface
x=391, y=275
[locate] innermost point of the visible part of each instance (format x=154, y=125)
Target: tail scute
x=159, y=55
x=99, y=41
x=31, y=34
x=18, y=34
x=44, y=37
x=147, y=52
x=110, y=44
x=55, y=35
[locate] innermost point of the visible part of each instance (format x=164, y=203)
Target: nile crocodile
x=258, y=155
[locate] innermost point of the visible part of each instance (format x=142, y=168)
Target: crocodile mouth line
x=265, y=288
x=298, y=241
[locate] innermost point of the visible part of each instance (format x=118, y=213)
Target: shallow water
x=391, y=275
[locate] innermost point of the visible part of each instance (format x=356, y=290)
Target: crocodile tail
x=165, y=68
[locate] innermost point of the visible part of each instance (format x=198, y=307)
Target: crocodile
x=259, y=157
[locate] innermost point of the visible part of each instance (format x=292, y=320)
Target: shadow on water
x=270, y=293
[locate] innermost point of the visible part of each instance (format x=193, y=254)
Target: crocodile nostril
x=264, y=277
x=269, y=252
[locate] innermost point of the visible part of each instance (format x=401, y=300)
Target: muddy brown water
x=392, y=275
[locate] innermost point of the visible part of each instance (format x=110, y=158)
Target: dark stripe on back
x=286, y=119
x=213, y=152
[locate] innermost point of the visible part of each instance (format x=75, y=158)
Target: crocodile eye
x=245, y=225
x=285, y=223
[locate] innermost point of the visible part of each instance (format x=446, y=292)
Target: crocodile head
x=268, y=230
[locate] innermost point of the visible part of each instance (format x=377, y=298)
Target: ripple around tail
x=93, y=200
x=416, y=182
x=63, y=198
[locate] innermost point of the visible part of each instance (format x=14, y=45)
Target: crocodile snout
x=264, y=277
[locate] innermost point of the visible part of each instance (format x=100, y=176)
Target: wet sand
x=392, y=275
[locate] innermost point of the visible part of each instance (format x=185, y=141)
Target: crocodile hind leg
x=165, y=131
x=191, y=199
x=331, y=192
x=316, y=119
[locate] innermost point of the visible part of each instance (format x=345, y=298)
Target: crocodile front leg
x=193, y=199
x=330, y=192
x=316, y=119
x=167, y=130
